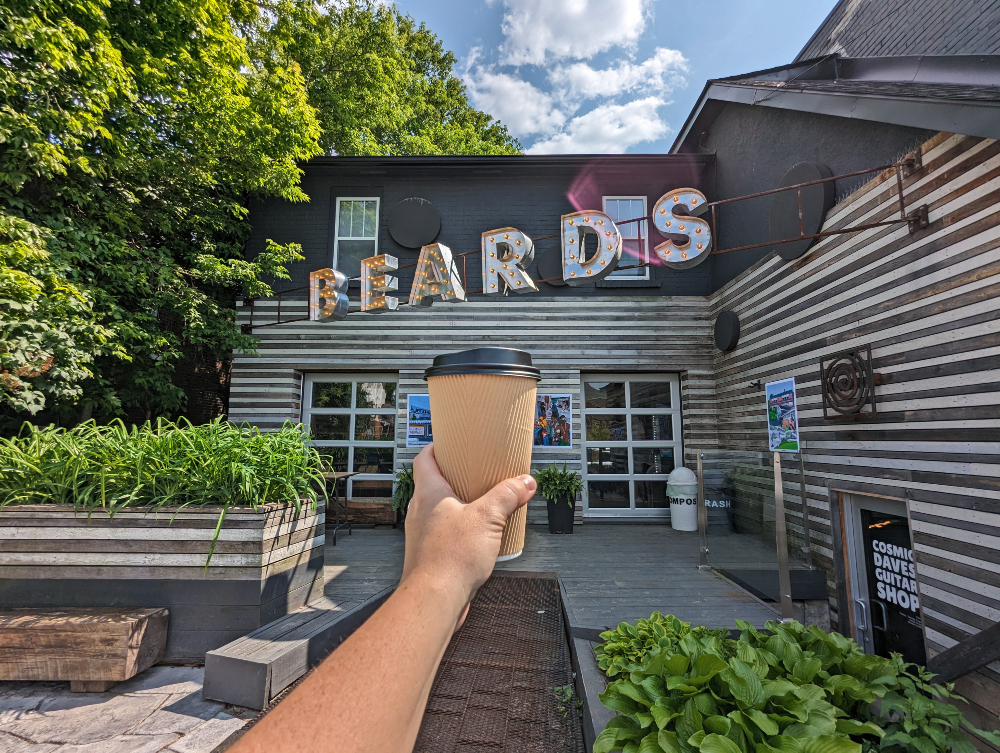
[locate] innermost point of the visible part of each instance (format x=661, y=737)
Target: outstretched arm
x=370, y=694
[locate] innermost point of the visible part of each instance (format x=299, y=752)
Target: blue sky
x=609, y=76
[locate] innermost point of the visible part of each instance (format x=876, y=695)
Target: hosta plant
x=791, y=689
x=628, y=644
x=556, y=485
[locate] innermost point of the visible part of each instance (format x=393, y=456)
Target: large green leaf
x=766, y=725
x=829, y=744
x=649, y=744
x=668, y=741
x=718, y=744
x=805, y=669
x=854, y=727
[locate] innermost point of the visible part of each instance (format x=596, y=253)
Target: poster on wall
x=418, y=420
x=782, y=416
x=553, y=421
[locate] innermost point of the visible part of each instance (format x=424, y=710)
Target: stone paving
x=161, y=709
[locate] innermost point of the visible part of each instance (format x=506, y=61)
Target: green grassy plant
x=789, y=689
x=109, y=468
x=629, y=644
x=404, y=489
x=556, y=485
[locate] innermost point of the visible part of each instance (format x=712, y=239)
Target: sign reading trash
x=782, y=416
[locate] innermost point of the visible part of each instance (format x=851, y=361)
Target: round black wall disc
x=727, y=331
x=414, y=223
x=816, y=202
x=549, y=266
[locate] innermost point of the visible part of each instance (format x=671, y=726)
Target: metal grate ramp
x=496, y=688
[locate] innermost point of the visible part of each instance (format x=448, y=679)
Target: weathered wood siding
x=564, y=336
x=928, y=305
x=266, y=563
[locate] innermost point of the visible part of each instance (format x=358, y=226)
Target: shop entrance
x=884, y=590
x=631, y=441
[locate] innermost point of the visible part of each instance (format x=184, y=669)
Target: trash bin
x=682, y=491
x=719, y=506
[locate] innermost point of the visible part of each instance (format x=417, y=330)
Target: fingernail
x=529, y=481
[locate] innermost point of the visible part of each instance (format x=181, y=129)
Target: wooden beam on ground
x=92, y=648
x=254, y=669
x=974, y=652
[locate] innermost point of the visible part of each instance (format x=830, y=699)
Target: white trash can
x=682, y=491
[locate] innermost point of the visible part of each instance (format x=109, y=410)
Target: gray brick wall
x=470, y=204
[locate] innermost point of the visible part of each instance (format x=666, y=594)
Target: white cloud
x=660, y=74
x=608, y=129
x=522, y=107
x=539, y=31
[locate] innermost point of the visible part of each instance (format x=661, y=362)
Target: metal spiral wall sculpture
x=848, y=384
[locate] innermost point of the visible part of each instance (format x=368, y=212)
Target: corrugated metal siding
x=928, y=305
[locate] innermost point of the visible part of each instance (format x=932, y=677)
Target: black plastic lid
x=503, y=361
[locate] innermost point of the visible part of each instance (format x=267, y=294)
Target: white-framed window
x=631, y=441
x=352, y=419
x=635, y=235
x=355, y=233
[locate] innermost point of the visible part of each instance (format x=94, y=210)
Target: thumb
x=504, y=498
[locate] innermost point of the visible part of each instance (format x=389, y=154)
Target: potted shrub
x=218, y=523
x=559, y=487
x=403, y=493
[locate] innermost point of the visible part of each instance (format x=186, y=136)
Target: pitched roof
x=884, y=28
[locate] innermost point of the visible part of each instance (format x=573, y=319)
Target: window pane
x=607, y=460
x=650, y=394
x=346, y=224
x=378, y=428
x=632, y=254
x=653, y=459
x=331, y=427
x=607, y=494
x=651, y=494
x=378, y=489
x=376, y=395
x=331, y=395
x=606, y=429
x=334, y=459
x=373, y=459
x=371, y=215
x=350, y=254
x=605, y=394
x=652, y=429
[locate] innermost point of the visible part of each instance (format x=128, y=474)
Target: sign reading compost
x=782, y=416
x=418, y=420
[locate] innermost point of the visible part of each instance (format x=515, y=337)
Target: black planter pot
x=560, y=515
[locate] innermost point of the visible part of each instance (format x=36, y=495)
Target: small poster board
x=782, y=416
x=553, y=421
x=418, y=421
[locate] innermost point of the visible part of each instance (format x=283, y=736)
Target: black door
x=892, y=586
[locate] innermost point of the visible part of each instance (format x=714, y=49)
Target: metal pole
x=807, y=549
x=702, y=518
x=781, y=537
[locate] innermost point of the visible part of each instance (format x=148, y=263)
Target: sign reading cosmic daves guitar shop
x=506, y=253
x=892, y=586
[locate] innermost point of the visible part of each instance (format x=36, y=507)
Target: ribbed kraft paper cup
x=483, y=429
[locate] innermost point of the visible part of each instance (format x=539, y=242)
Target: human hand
x=451, y=543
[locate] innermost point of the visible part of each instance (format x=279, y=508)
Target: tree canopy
x=132, y=135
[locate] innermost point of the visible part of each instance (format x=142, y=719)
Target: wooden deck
x=611, y=573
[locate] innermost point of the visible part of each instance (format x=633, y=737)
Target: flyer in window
x=418, y=420
x=782, y=416
x=553, y=421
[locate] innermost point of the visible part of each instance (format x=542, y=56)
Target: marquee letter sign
x=330, y=287
x=506, y=254
x=577, y=269
x=699, y=235
x=436, y=277
x=375, y=283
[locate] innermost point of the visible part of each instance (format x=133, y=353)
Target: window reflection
x=604, y=394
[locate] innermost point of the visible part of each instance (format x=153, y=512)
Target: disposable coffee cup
x=483, y=410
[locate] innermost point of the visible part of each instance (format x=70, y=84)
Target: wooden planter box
x=266, y=564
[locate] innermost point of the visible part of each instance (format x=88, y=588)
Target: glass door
x=884, y=589
x=352, y=420
x=632, y=440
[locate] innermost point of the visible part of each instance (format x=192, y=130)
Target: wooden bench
x=92, y=648
x=252, y=670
